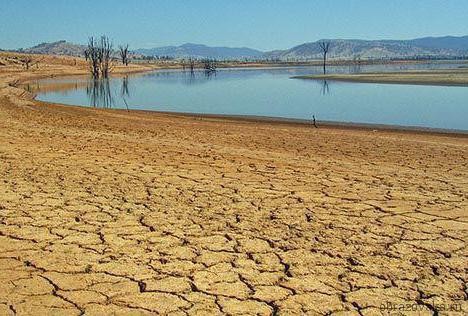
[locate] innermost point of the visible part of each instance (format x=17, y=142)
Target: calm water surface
x=271, y=92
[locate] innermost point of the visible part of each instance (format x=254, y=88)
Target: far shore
x=442, y=77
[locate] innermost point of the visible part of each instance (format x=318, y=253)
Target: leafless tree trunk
x=93, y=57
x=99, y=57
x=26, y=61
x=123, y=51
x=324, y=46
x=105, y=51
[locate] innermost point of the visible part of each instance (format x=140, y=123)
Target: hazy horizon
x=255, y=24
x=246, y=47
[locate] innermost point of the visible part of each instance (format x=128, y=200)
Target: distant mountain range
x=201, y=51
x=444, y=47
x=347, y=49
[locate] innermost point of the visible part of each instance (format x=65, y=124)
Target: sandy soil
x=451, y=77
x=114, y=212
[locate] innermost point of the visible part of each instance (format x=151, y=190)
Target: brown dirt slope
x=105, y=212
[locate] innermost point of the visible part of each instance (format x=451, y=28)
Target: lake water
x=271, y=92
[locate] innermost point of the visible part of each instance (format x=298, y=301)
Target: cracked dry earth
x=109, y=212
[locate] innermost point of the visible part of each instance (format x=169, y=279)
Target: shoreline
x=325, y=123
x=272, y=120
x=260, y=119
x=142, y=69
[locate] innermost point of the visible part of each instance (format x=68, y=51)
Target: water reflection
x=64, y=85
x=190, y=78
x=99, y=93
x=325, y=88
x=124, y=92
x=210, y=73
x=355, y=68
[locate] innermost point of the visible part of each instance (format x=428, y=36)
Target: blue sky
x=261, y=24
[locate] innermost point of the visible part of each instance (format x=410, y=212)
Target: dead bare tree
x=105, y=58
x=26, y=61
x=324, y=46
x=123, y=51
x=99, y=57
x=93, y=57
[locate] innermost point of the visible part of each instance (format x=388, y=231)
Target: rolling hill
x=57, y=48
x=349, y=49
x=201, y=51
x=440, y=47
